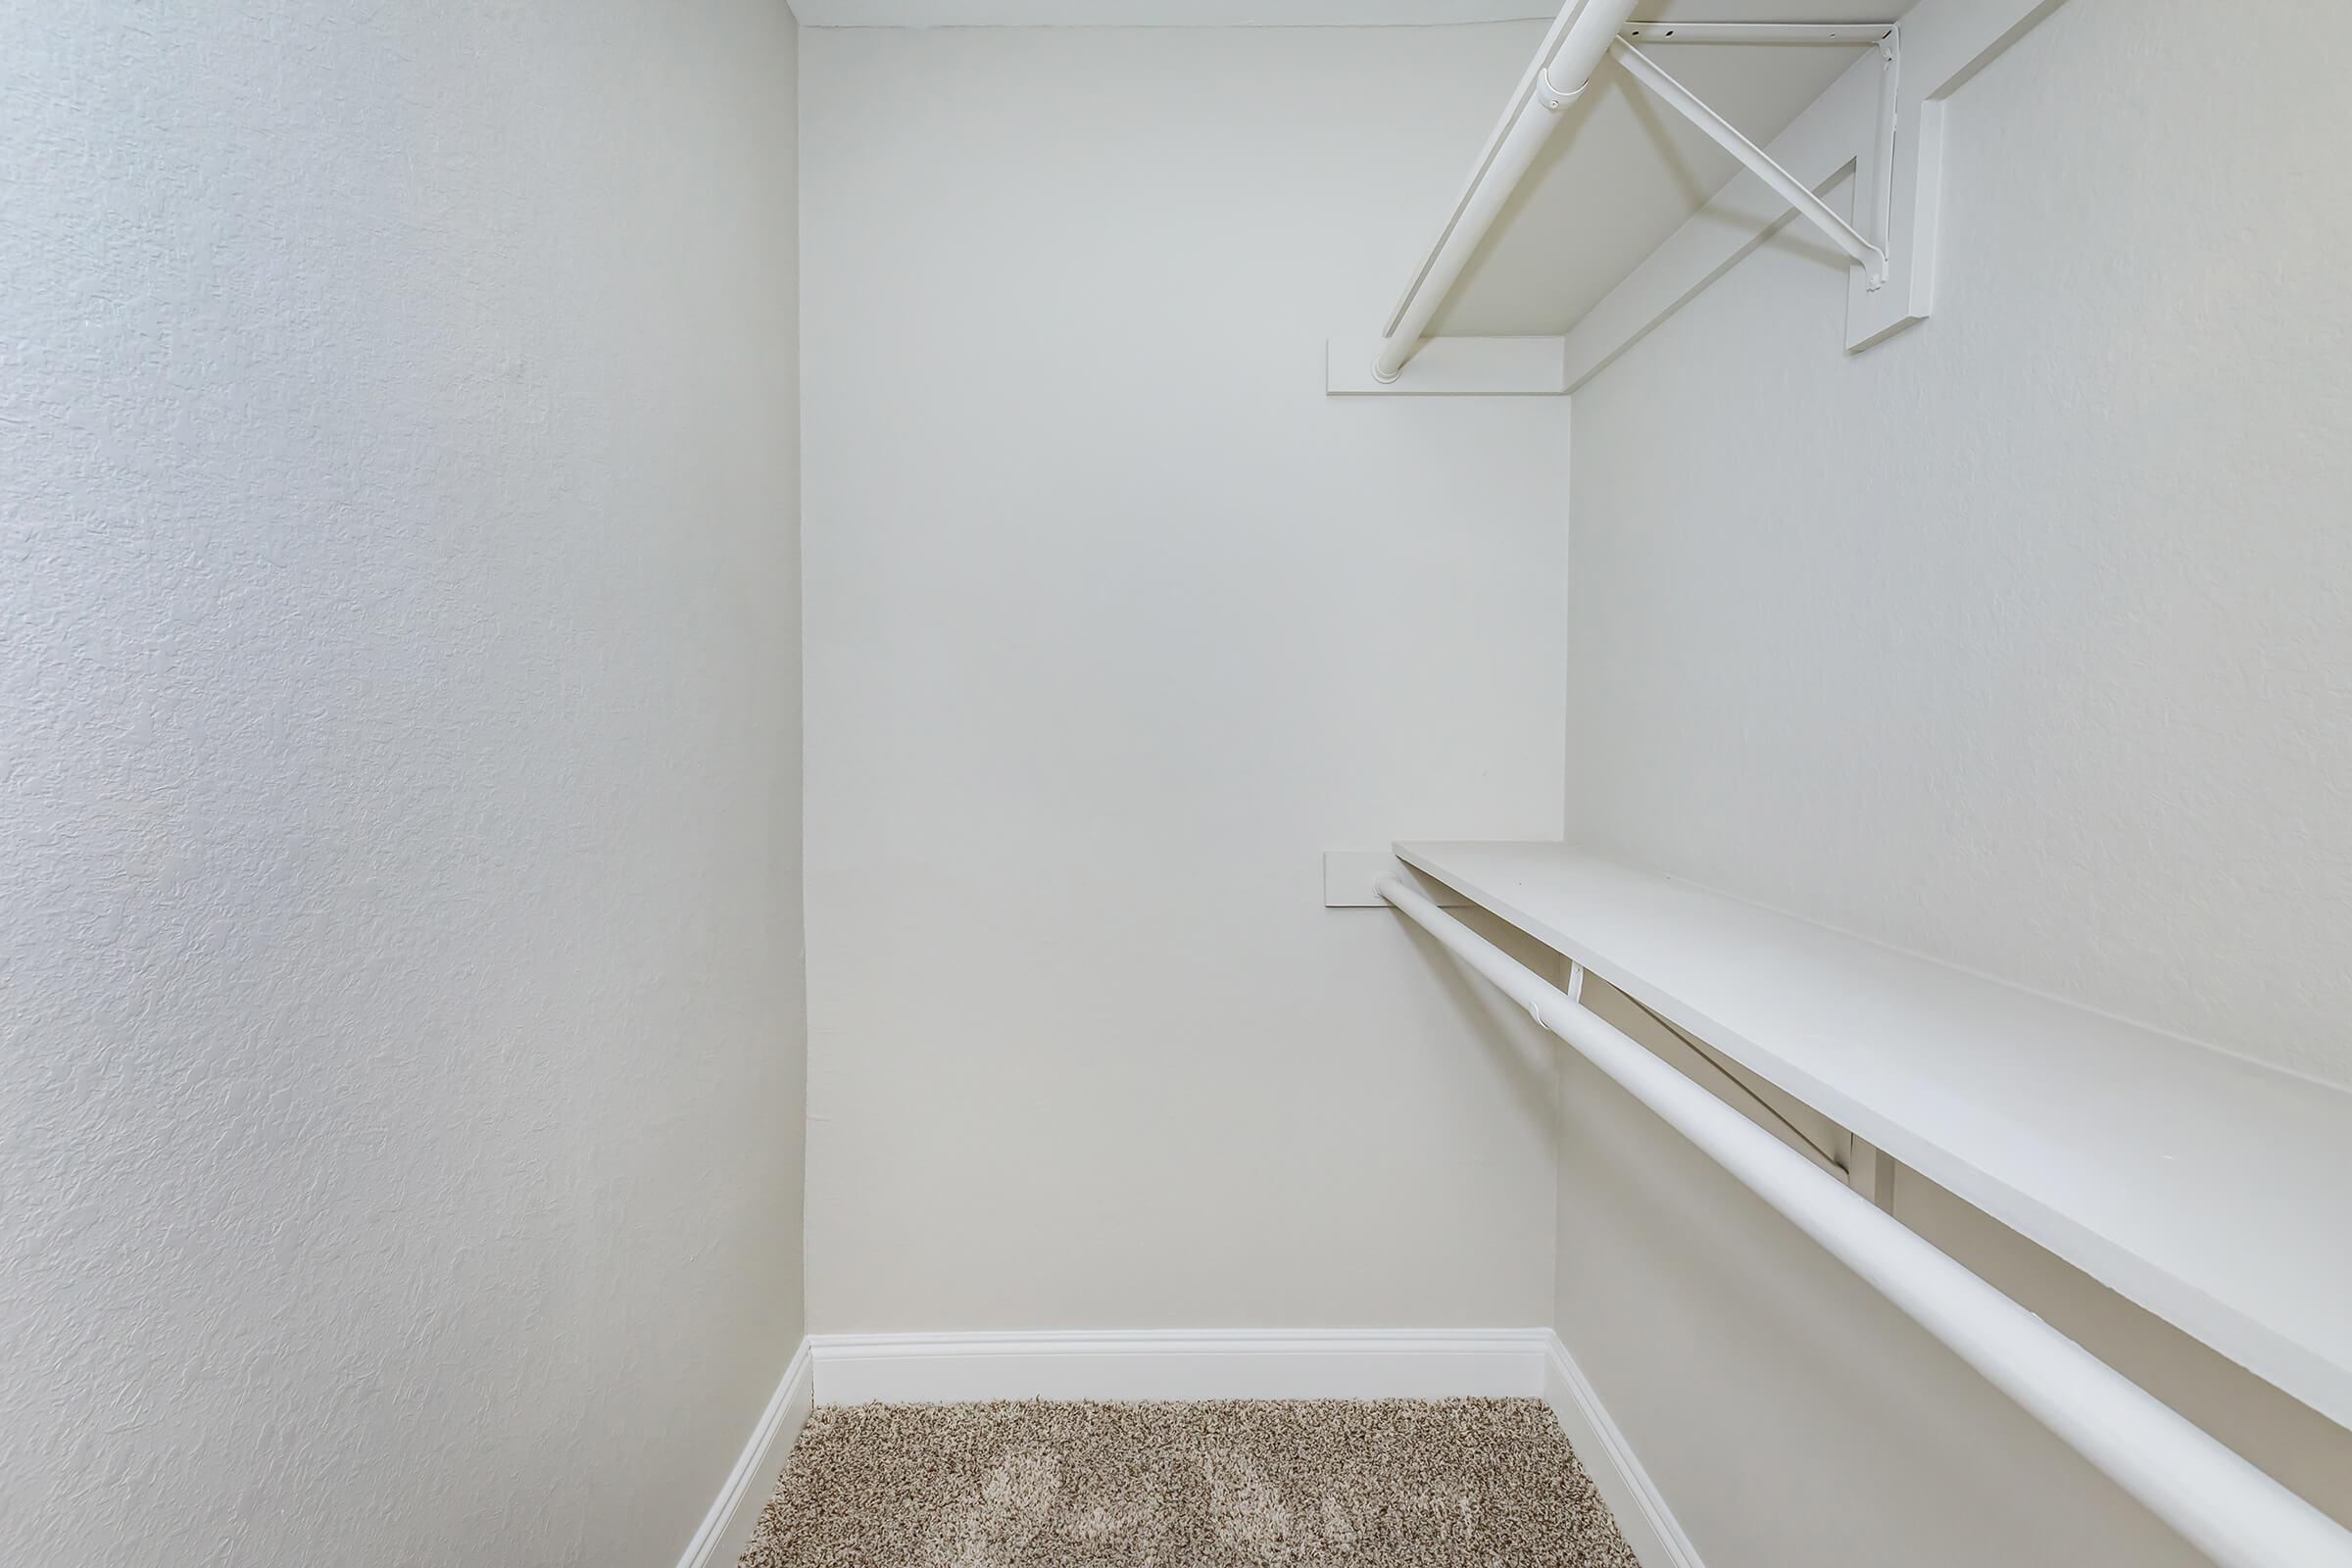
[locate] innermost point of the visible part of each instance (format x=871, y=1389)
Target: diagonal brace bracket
x=1870, y=255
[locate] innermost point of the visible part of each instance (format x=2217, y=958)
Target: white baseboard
x=727, y=1528
x=1237, y=1364
x=1642, y=1517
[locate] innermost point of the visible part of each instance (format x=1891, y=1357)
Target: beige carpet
x=1396, y=1482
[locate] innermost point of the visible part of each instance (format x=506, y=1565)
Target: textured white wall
x=1115, y=622
x=2021, y=639
x=400, y=1061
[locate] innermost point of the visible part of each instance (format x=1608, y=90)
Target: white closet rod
x=2222, y=1505
x=1572, y=50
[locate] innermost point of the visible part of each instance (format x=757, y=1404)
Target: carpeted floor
x=1392, y=1482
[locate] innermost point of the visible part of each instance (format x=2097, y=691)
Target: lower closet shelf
x=2213, y=1191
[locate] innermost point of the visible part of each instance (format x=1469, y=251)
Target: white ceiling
x=1279, y=13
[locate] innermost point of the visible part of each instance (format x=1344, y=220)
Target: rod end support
x=1550, y=96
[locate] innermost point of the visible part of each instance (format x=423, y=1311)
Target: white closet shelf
x=2213, y=1191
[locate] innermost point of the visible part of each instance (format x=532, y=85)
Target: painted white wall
x=400, y=1042
x=1115, y=624
x=2019, y=640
